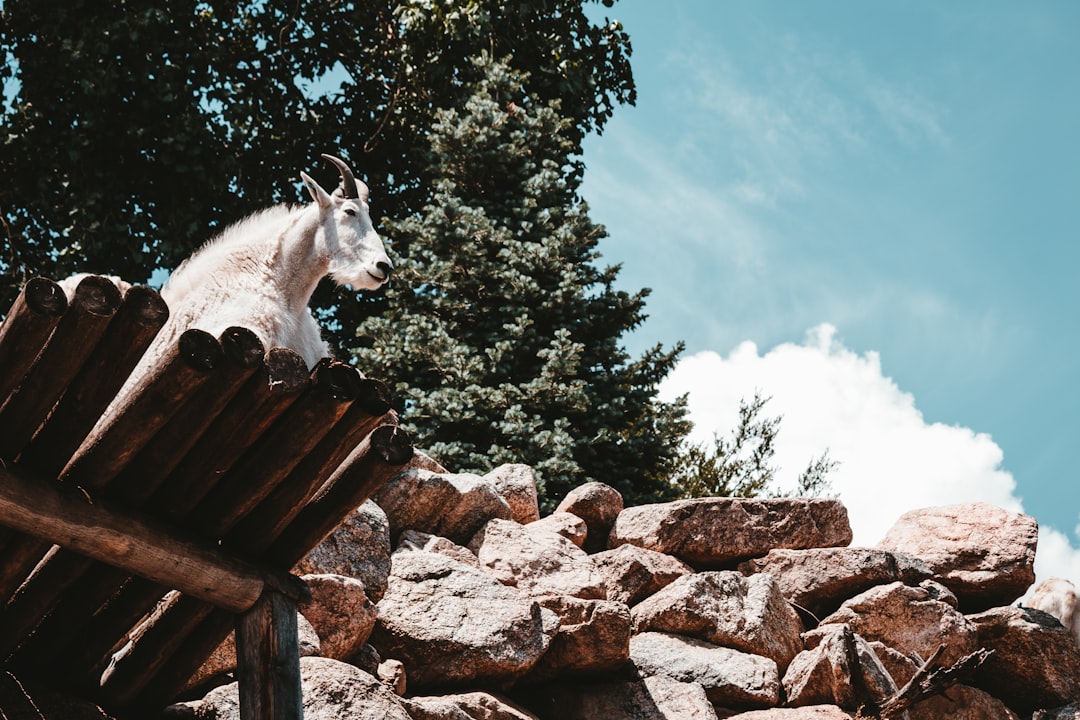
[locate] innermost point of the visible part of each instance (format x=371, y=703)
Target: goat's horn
x=348, y=182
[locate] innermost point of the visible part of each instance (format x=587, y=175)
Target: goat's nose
x=386, y=268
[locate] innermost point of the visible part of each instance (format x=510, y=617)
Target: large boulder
x=731, y=678
x=962, y=702
x=719, y=532
x=598, y=505
x=566, y=524
x=819, y=579
x=416, y=540
x=652, y=698
x=516, y=483
x=536, y=561
x=812, y=712
x=593, y=637
x=332, y=690
x=340, y=613
x=727, y=609
x=983, y=553
x=454, y=625
x=839, y=669
x=465, y=706
x=909, y=619
x=632, y=573
x=1035, y=664
x=452, y=505
x=358, y=548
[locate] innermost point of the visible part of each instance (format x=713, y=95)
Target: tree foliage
x=135, y=130
x=503, y=333
x=741, y=465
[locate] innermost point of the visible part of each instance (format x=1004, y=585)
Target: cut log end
x=97, y=295
x=374, y=397
x=242, y=347
x=340, y=380
x=45, y=297
x=147, y=307
x=286, y=370
x=200, y=350
x=392, y=444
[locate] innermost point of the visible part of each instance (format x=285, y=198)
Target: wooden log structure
x=135, y=532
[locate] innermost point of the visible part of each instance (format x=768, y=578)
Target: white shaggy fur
x=260, y=274
x=1058, y=597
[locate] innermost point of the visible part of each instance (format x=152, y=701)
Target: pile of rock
x=449, y=598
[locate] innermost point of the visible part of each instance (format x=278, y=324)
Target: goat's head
x=357, y=255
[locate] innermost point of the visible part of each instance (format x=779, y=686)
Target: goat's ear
x=317, y=193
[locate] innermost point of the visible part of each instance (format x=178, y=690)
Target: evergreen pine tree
x=502, y=334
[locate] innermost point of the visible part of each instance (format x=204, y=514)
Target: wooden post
x=268, y=660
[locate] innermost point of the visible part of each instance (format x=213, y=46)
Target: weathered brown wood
x=151, y=646
x=256, y=407
x=268, y=660
x=277, y=510
x=367, y=469
x=29, y=323
x=117, y=438
x=131, y=330
x=93, y=305
x=278, y=451
x=242, y=353
x=70, y=518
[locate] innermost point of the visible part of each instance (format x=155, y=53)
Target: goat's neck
x=302, y=259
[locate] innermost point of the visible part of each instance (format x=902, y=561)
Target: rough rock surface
x=716, y=532
x=340, y=613
x=537, y=561
x=516, y=484
x=961, y=702
x=566, y=524
x=726, y=609
x=450, y=505
x=416, y=540
x=653, y=698
x=984, y=554
x=1035, y=663
x=819, y=579
x=1068, y=712
x=465, y=706
x=632, y=573
x=813, y=712
x=367, y=528
x=909, y=619
x=836, y=671
x=598, y=505
x=332, y=690
x=452, y=624
x=731, y=678
x=593, y=637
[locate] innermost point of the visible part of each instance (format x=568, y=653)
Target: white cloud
x=892, y=459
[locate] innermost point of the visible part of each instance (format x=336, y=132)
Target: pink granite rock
x=450, y=505
x=632, y=573
x=593, y=637
x=516, y=483
x=840, y=669
x=598, y=505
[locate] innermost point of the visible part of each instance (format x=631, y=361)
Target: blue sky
x=900, y=179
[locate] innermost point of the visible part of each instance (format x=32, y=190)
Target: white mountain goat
x=260, y=273
x=1058, y=597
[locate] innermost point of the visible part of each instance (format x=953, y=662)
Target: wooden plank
x=93, y=305
x=255, y=408
x=126, y=430
x=268, y=660
x=75, y=520
x=29, y=323
x=131, y=330
x=366, y=470
x=278, y=451
x=273, y=514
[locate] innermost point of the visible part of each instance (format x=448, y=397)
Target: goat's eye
x=350, y=212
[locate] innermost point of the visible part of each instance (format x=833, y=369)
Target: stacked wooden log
x=227, y=466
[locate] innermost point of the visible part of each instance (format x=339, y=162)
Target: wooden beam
x=268, y=661
x=30, y=322
x=72, y=519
